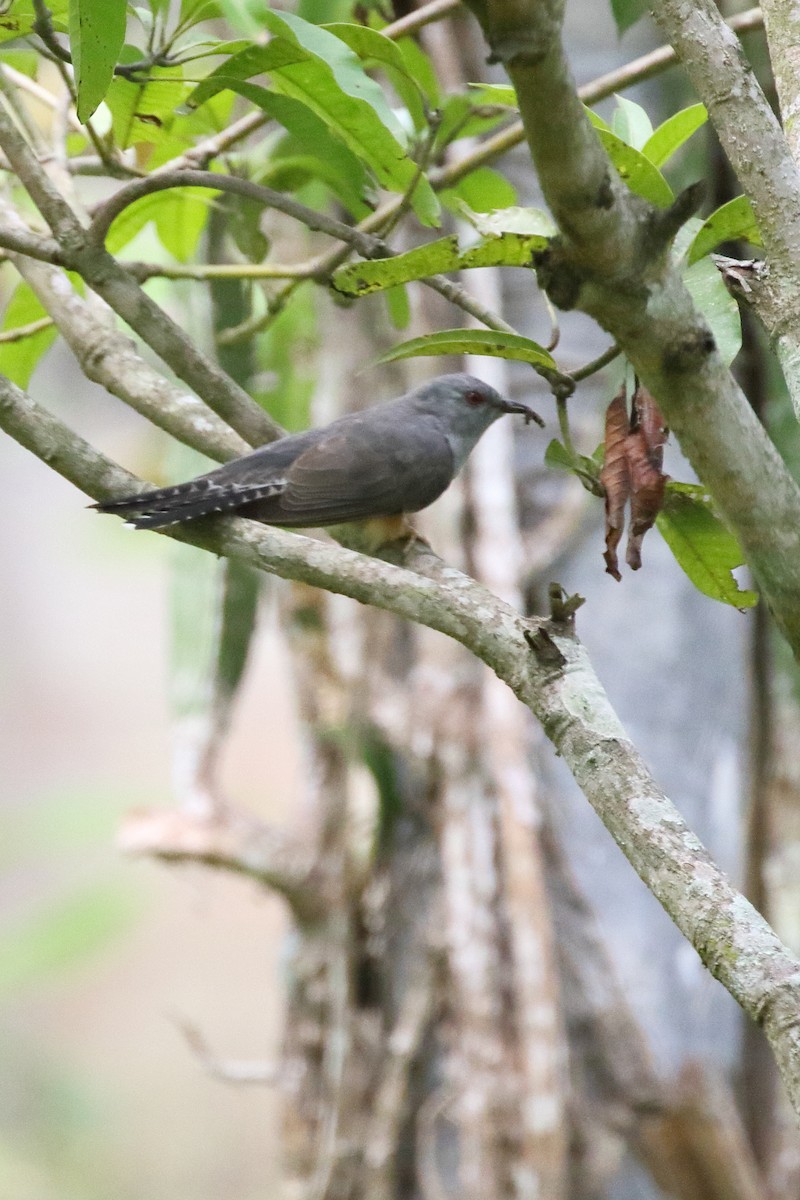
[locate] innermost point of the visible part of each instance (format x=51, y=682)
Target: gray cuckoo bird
x=385, y=461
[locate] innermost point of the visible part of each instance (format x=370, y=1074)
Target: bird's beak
x=513, y=406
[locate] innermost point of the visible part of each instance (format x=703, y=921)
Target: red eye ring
x=475, y=398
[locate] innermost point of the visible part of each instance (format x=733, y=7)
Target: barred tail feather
x=162, y=507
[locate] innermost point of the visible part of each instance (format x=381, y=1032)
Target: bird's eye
x=475, y=398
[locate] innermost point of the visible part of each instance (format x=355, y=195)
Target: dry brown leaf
x=634, y=453
x=615, y=477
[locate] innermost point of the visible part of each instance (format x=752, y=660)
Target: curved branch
x=548, y=670
x=368, y=246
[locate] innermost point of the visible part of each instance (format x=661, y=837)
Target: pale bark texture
x=460, y=1017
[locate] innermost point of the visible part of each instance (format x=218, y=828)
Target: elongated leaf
x=506, y=250
x=308, y=135
x=717, y=306
x=728, y=223
x=495, y=93
x=96, y=36
x=308, y=79
x=631, y=123
x=398, y=307
x=530, y=222
x=359, y=279
x=705, y=548
x=372, y=47
x=344, y=65
x=637, y=171
x=18, y=360
x=486, y=342
x=672, y=134
x=483, y=191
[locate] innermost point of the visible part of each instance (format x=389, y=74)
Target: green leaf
x=728, y=223
x=637, y=171
x=486, y=342
x=343, y=64
x=558, y=456
x=506, y=250
x=96, y=37
x=179, y=214
x=18, y=18
x=358, y=279
x=308, y=79
x=672, y=134
x=495, y=93
x=18, y=360
x=631, y=123
x=372, y=47
x=627, y=13
x=483, y=190
x=531, y=222
x=142, y=113
x=241, y=589
x=420, y=68
x=398, y=306
x=62, y=933
x=462, y=116
x=717, y=306
x=705, y=548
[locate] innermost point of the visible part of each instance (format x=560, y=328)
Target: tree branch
x=548, y=670
x=106, y=213
x=612, y=241
x=755, y=144
x=109, y=358
x=121, y=292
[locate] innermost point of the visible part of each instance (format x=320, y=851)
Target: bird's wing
x=253, y=477
x=363, y=471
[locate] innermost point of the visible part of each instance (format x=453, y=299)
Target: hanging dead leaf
x=634, y=454
x=645, y=446
x=615, y=478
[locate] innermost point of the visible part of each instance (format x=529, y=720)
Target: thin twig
x=265, y=1074
x=596, y=364
x=106, y=213
x=435, y=11
x=25, y=331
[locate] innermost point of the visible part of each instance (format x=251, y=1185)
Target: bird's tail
x=202, y=497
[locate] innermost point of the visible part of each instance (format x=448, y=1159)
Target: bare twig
x=25, y=331
x=227, y=1070
x=436, y=10
x=232, y=841
x=104, y=215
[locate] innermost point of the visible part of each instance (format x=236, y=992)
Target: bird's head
x=466, y=406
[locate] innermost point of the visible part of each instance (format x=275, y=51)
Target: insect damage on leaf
x=632, y=471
